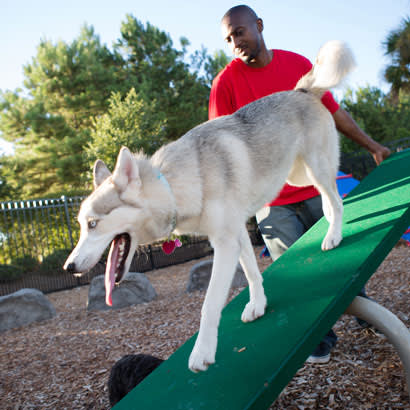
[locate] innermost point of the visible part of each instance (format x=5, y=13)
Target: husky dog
x=211, y=181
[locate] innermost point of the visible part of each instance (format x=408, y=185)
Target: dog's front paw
x=331, y=241
x=200, y=359
x=253, y=310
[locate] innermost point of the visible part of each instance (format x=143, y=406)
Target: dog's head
x=116, y=212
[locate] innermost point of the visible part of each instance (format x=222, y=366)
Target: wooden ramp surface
x=307, y=291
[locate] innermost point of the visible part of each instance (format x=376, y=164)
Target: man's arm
x=348, y=127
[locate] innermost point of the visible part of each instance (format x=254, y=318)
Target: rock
x=200, y=275
x=135, y=288
x=24, y=307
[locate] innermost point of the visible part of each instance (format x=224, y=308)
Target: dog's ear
x=126, y=172
x=100, y=173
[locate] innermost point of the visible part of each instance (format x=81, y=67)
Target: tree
x=377, y=115
x=132, y=122
x=397, y=47
x=49, y=122
x=57, y=121
x=6, y=190
x=209, y=65
x=160, y=73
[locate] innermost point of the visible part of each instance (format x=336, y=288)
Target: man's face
x=243, y=36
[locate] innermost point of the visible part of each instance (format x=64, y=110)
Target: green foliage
x=132, y=122
x=377, y=115
x=49, y=122
x=27, y=263
x=160, y=73
x=397, y=47
x=210, y=65
x=70, y=91
x=385, y=117
x=53, y=263
x=10, y=272
x=7, y=192
x=33, y=229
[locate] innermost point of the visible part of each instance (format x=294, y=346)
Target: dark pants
x=281, y=226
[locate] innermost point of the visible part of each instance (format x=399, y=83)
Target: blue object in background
x=345, y=183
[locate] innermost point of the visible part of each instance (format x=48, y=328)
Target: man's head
x=242, y=30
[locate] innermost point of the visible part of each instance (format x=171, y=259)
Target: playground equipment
x=307, y=291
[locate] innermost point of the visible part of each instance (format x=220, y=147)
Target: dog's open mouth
x=114, y=271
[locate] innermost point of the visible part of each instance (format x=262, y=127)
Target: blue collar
x=162, y=178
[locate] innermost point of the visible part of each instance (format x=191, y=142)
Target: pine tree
x=161, y=74
x=132, y=122
x=67, y=85
x=75, y=92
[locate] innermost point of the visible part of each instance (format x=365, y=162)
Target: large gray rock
x=134, y=288
x=24, y=307
x=200, y=275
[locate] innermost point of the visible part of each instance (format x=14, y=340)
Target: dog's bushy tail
x=333, y=62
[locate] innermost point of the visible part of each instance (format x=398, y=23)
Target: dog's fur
x=128, y=372
x=211, y=181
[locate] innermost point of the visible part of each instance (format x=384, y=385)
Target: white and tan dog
x=211, y=181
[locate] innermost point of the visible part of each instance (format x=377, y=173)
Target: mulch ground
x=64, y=363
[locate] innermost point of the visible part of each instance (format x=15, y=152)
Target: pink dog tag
x=169, y=246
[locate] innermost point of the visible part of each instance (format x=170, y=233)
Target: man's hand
x=348, y=127
x=381, y=154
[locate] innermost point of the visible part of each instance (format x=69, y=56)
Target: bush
x=53, y=263
x=26, y=263
x=10, y=272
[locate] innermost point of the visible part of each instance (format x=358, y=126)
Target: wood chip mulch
x=64, y=363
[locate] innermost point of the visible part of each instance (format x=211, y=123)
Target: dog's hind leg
x=257, y=303
x=320, y=172
x=325, y=182
x=226, y=255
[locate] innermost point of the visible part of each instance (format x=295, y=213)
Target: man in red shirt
x=255, y=73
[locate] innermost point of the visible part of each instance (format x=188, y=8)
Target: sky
x=296, y=25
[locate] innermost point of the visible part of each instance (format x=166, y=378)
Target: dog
x=210, y=181
x=128, y=372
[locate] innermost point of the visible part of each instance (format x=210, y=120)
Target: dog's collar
x=162, y=178
x=165, y=182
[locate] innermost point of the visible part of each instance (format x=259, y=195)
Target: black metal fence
x=147, y=258
x=37, y=228
x=37, y=235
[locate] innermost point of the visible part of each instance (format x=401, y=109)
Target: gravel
x=64, y=363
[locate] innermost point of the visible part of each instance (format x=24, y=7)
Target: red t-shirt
x=238, y=84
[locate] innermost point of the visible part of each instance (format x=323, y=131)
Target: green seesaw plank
x=307, y=291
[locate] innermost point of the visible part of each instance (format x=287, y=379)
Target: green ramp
x=307, y=291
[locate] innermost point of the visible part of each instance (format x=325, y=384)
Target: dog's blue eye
x=92, y=224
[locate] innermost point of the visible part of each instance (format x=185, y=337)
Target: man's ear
x=126, y=171
x=259, y=24
x=100, y=173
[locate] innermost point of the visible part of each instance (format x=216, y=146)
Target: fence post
x=151, y=257
x=67, y=215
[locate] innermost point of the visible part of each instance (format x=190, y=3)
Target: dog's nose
x=70, y=268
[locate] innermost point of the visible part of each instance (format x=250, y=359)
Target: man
x=255, y=73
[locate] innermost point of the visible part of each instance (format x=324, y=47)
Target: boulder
x=24, y=307
x=135, y=288
x=200, y=275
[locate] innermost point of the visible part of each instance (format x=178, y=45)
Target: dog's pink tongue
x=110, y=271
